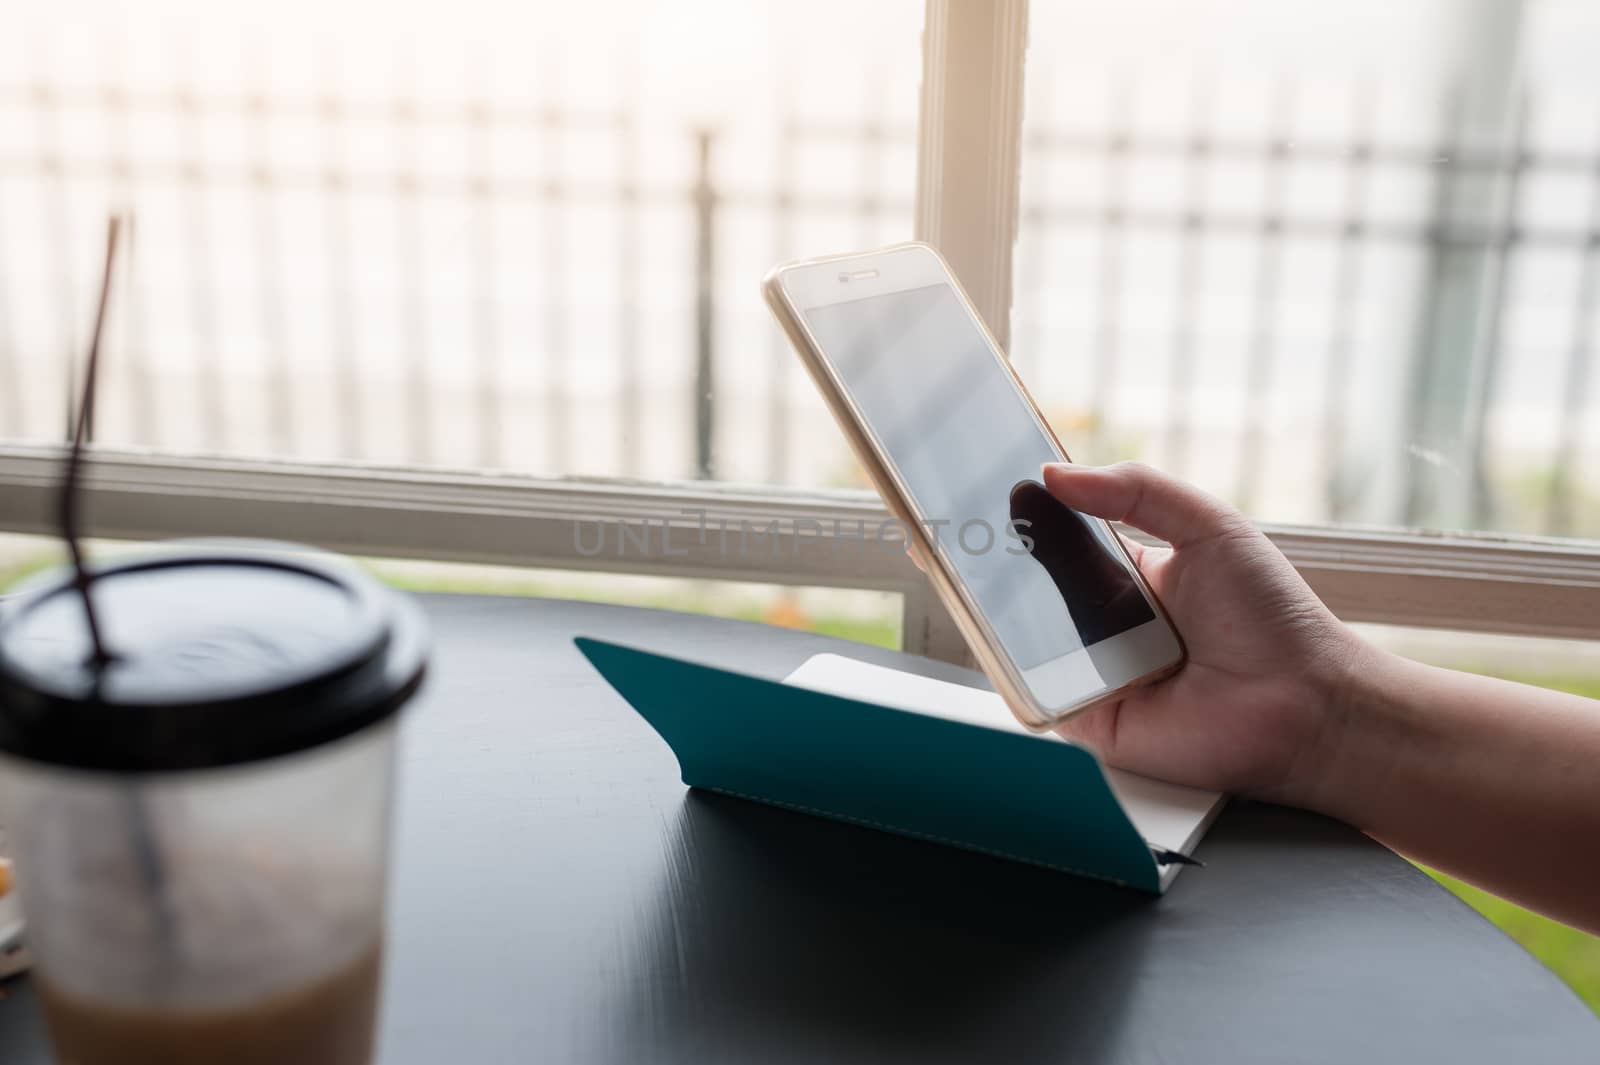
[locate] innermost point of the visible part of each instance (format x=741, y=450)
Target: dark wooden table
x=560, y=897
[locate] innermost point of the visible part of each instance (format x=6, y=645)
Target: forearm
x=1494, y=782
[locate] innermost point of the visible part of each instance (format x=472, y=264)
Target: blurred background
x=1336, y=263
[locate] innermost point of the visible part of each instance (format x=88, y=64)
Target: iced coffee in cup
x=200, y=822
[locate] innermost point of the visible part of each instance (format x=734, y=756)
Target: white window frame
x=967, y=205
x=1478, y=582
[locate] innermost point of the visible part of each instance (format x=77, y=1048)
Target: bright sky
x=705, y=54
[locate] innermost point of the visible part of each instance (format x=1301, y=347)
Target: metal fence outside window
x=660, y=373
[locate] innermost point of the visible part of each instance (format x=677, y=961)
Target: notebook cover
x=983, y=789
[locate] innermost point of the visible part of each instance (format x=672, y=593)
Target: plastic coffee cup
x=201, y=826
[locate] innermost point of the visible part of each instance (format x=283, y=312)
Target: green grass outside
x=11, y=572
x=1572, y=955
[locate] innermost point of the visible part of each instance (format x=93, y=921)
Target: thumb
x=1095, y=728
x=1145, y=498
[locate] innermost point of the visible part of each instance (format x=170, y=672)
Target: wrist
x=1350, y=749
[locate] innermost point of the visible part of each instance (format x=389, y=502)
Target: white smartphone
x=1048, y=599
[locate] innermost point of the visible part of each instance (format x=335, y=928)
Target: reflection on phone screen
x=968, y=448
x=1101, y=596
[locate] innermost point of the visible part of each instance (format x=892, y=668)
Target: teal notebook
x=893, y=751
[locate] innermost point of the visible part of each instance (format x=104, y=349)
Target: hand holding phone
x=1048, y=599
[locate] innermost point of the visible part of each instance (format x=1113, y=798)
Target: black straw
x=69, y=499
x=141, y=826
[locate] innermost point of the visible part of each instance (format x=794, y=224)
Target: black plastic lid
x=223, y=654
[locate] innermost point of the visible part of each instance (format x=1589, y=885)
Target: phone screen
x=967, y=447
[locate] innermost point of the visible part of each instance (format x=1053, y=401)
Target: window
x=444, y=284
x=469, y=236
x=1339, y=264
